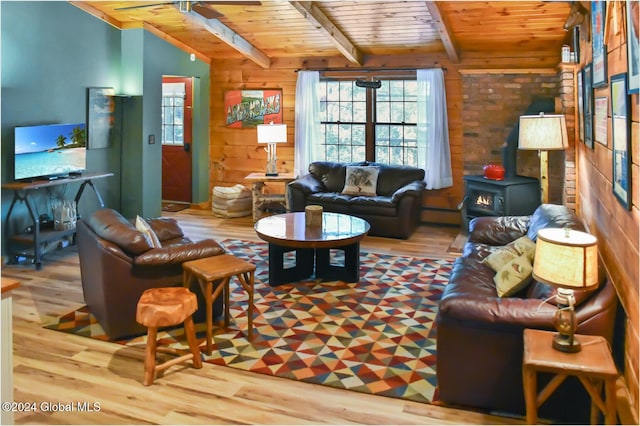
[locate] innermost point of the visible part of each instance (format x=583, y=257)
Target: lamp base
x=565, y=343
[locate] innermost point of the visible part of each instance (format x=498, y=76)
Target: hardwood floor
x=51, y=367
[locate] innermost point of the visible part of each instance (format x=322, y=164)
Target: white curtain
x=307, y=142
x=434, y=155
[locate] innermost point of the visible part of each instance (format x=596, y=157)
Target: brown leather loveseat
x=117, y=264
x=394, y=211
x=479, y=335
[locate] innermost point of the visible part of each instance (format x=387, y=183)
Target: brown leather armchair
x=117, y=264
x=480, y=335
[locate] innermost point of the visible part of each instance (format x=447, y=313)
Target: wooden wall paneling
x=617, y=228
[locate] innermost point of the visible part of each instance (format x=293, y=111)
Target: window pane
x=168, y=134
x=360, y=112
x=382, y=94
x=411, y=112
x=397, y=112
x=178, y=135
x=168, y=115
x=345, y=134
x=332, y=134
x=382, y=154
x=333, y=111
x=344, y=153
x=333, y=91
x=382, y=112
x=359, y=153
x=359, y=93
x=396, y=90
x=179, y=116
x=382, y=135
x=179, y=102
x=346, y=112
x=410, y=91
x=346, y=91
x=358, y=135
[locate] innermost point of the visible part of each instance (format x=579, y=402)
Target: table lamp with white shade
x=567, y=259
x=272, y=134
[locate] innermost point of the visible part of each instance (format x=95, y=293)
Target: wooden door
x=177, y=106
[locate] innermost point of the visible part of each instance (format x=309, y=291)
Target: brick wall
x=492, y=105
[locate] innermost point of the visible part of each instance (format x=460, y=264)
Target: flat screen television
x=49, y=151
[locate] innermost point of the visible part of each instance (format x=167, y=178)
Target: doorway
x=177, y=109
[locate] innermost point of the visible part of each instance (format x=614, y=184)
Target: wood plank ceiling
x=270, y=29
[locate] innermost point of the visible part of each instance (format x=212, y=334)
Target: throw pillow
x=513, y=277
x=145, y=228
x=361, y=180
x=519, y=247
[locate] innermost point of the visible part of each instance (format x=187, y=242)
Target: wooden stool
x=216, y=268
x=163, y=307
x=593, y=365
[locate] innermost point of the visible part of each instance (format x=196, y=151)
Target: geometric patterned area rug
x=375, y=336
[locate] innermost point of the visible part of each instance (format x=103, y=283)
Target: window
x=173, y=96
x=359, y=124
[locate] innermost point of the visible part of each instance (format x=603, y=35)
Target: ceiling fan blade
x=205, y=11
x=140, y=6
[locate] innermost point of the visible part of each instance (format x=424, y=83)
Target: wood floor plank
x=54, y=366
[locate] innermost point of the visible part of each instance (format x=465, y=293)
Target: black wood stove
x=513, y=196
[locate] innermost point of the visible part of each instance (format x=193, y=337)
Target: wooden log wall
x=234, y=153
x=617, y=228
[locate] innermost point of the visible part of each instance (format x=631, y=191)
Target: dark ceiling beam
x=313, y=14
x=232, y=39
x=445, y=35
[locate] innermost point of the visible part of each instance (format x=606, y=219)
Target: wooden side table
x=258, y=181
x=593, y=365
x=220, y=269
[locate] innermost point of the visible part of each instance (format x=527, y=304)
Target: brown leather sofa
x=479, y=335
x=117, y=264
x=394, y=211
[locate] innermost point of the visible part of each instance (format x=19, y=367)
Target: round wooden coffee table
x=312, y=245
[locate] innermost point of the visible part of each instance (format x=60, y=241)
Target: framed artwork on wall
x=100, y=119
x=580, y=77
x=587, y=97
x=598, y=12
x=620, y=129
x=247, y=108
x=633, y=45
x=600, y=108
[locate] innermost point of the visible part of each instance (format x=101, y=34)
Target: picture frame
x=599, y=52
x=620, y=132
x=587, y=97
x=580, y=76
x=633, y=46
x=247, y=108
x=600, y=107
x=100, y=116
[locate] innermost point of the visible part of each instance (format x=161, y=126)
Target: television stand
x=31, y=245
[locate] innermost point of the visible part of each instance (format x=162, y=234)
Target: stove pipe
x=510, y=148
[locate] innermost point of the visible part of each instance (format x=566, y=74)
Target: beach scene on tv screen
x=50, y=150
